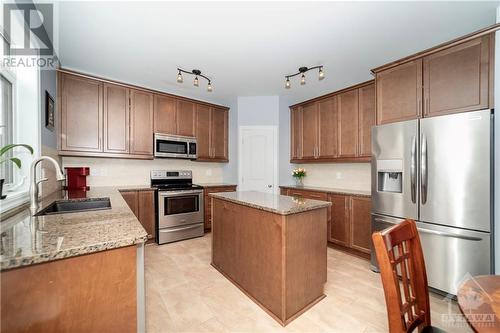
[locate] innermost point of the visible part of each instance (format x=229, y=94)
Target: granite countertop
x=28, y=240
x=330, y=190
x=215, y=184
x=274, y=203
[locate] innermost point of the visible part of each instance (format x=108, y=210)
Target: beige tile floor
x=185, y=294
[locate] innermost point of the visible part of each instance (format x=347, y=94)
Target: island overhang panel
x=273, y=248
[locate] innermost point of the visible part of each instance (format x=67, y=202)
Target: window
x=6, y=171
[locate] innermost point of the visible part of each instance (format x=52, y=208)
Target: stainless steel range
x=179, y=205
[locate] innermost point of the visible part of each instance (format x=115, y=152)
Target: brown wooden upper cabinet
x=348, y=123
x=334, y=128
x=212, y=133
x=443, y=80
x=165, y=114
x=295, y=133
x=141, y=122
x=457, y=79
x=186, y=118
x=81, y=112
x=109, y=119
x=366, y=114
x=116, y=119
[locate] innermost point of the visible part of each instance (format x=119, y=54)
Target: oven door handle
x=179, y=229
x=178, y=193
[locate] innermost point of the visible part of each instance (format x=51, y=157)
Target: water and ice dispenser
x=390, y=176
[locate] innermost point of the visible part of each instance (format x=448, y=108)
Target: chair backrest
x=402, y=269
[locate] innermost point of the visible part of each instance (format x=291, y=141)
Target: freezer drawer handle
x=434, y=232
x=423, y=170
x=413, y=169
x=445, y=234
x=179, y=229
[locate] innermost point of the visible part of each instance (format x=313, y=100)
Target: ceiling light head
x=303, y=79
x=179, y=78
x=209, y=87
x=287, y=83
x=321, y=74
x=196, y=82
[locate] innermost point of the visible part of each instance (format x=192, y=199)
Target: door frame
x=275, y=152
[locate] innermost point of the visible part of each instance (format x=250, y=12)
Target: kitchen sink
x=75, y=206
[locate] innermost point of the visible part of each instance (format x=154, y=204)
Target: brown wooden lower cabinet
x=142, y=204
x=207, y=202
x=95, y=292
x=349, y=218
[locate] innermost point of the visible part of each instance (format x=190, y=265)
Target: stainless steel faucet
x=34, y=183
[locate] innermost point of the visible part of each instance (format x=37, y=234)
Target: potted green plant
x=299, y=175
x=15, y=160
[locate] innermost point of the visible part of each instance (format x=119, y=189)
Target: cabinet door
x=360, y=223
x=309, y=130
x=295, y=133
x=203, y=117
x=165, y=118
x=116, y=119
x=339, y=225
x=146, y=216
x=81, y=114
x=348, y=123
x=141, y=122
x=366, y=119
x=131, y=198
x=399, y=93
x=457, y=79
x=219, y=134
x=186, y=114
x=327, y=134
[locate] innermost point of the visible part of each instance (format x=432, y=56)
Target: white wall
x=258, y=110
x=496, y=150
x=123, y=172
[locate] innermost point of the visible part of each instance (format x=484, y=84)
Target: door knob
x=269, y=186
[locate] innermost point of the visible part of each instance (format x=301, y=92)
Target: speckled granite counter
x=329, y=190
x=274, y=203
x=28, y=240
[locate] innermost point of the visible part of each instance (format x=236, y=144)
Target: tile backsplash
x=122, y=172
x=354, y=176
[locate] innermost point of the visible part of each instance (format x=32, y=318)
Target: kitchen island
x=273, y=248
x=73, y=272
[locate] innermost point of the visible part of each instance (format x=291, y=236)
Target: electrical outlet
x=95, y=172
x=208, y=172
x=338, y=175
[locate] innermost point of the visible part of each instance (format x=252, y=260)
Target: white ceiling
x=248, y=47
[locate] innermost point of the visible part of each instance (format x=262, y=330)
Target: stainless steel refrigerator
x=438, y=171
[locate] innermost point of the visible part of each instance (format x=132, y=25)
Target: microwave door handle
x=413, y=168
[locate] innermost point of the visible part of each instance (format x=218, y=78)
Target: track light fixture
x=196, y=81
x=303, y=70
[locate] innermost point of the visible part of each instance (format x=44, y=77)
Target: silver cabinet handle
x=445, y=234
x=413, y=167
x=423, y=169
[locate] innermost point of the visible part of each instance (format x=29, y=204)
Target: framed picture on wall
x=49, y=111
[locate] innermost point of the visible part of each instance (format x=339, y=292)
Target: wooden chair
x=404, y=278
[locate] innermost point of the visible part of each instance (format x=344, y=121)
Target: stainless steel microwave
x=175, y=146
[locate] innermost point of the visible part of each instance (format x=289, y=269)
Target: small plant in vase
x=299, y=175
x=4, y=159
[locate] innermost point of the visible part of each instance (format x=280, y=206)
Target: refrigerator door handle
x=413, y=168
x=445, y=234
x=423, y=169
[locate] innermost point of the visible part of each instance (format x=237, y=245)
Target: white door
x=258, y=158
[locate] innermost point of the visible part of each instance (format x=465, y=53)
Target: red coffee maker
x=76, y=181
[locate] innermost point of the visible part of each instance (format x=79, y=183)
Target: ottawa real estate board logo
x=27, y=36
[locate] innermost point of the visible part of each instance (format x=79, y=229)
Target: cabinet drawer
x=315, y=195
